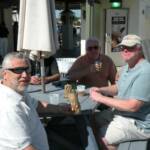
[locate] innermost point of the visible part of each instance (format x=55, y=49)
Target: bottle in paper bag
x=67, y=90
x=73, y=97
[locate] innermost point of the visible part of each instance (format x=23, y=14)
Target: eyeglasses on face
x=19, y=70
x=122, y=48
x=90, y=48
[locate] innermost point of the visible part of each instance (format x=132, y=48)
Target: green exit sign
x=116, y=5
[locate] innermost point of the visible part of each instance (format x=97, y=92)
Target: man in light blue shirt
x=131, y=96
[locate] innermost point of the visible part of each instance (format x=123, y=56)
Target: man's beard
x=18, y=88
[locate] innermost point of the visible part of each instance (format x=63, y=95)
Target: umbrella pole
x=42, y=74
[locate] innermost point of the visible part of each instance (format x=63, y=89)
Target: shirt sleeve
x=76, y=65
x=141, y=88
x=112, y=72
x=14, y=129
x=54, y=67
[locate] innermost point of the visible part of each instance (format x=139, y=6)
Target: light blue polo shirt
x=135, y=84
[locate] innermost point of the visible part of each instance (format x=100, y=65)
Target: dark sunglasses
x=90, y=48
x=122, y=47
x=20, y=70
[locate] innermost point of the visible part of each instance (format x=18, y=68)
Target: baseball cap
x=130, y=40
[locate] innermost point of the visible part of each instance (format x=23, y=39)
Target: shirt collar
x=136, y=66
x=16, y=97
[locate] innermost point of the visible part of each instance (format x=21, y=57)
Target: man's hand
x=96, y=89
x=95, y=67
x=44, y=104
x=95, y=94
x=30, y=147
x=45, y=107
x=35, y=80
x=92, y=68
x=98, y=65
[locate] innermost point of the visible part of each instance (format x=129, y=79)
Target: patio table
x=87, y=107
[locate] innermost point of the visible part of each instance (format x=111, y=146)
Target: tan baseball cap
x=131, y=40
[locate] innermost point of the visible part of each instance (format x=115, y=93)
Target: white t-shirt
x=20, y=125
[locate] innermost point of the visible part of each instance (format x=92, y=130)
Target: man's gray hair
x=12, y=55
x=92, y=40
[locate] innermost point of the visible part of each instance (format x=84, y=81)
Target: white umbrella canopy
x=37, y=28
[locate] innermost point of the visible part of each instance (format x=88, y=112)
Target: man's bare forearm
x=46, y=108
x=109, y=90
x=51, y=78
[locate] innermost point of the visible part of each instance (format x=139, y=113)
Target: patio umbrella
x=37, y=30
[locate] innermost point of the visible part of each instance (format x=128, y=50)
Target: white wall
x=94, y=24
x=144, y=19
x=144, y=26
x=133, y=21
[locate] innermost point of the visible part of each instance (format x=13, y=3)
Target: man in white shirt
x=20, y=127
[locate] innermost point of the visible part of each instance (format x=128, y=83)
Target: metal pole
x=42, y=74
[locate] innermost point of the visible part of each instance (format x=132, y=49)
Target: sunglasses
x=19, y=70
x=122, y=48
x=90, y=48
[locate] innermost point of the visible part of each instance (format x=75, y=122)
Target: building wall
x=133, y=17
x=94, y=23
x=144, y=19
x=144, y=26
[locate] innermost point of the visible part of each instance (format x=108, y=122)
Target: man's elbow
x=56, y=77
x=135, y=105
x=135, y=108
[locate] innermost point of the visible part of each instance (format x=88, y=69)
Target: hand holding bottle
x=98, y=65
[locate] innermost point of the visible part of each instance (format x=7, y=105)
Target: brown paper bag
x=67, y=90
x=73, y=98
